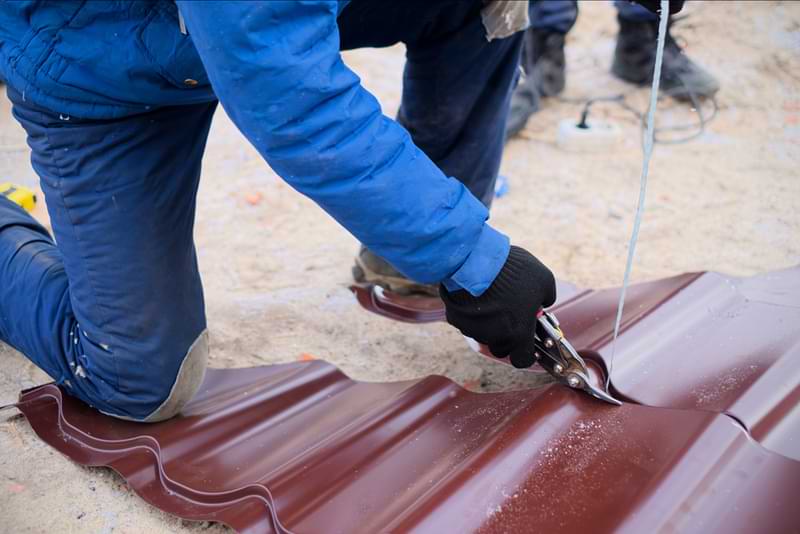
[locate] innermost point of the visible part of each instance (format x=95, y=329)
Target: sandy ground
x=276, y=268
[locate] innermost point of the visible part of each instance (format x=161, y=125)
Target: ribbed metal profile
x=302, y=448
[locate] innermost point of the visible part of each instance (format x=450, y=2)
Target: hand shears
x=558, y=357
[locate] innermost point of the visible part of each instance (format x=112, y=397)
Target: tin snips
x=557, y=356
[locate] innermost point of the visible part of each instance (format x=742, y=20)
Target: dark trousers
x=560, y=15
x=111, y=310
x=456, y=85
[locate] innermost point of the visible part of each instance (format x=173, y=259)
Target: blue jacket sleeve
x=277, y=70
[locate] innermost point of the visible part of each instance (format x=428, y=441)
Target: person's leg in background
x=114, y=312
x=635, y=53
x=630, y=11
x=542, y=58
x=456, y=92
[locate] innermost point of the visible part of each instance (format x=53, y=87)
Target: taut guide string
x=648, y=151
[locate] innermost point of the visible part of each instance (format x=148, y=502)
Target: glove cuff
x=503, y=284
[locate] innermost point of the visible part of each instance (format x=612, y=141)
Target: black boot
x=543, y=60
x=635, y=56
x=545, y=68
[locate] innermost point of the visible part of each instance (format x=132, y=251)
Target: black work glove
x=504, y=316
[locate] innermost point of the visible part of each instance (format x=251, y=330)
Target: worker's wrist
x=482, y=265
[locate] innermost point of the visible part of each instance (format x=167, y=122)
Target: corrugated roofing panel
x=301, y=448
x=695, y=341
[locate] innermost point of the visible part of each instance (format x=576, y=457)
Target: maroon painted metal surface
x=716, y=343
x=301, y=448
x=695, y=341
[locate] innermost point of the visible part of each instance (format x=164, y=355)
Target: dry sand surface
x=276, y=268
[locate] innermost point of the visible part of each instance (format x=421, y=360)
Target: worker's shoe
x=545, y=67
x=635, y=57
x=545, y=60
x=372, y=269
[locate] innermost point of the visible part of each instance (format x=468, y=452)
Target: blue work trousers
x=112, y=307
x=560, y=15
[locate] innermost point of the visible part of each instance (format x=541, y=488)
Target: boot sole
x=681, y=93
x=402, y=286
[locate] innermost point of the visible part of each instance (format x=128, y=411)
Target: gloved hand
x=504, y=316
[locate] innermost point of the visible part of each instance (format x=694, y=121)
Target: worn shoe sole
x=402, y=286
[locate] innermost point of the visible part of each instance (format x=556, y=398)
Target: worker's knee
x=187, y=381
x=164, y=398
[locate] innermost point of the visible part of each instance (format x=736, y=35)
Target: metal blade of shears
x=559, y=358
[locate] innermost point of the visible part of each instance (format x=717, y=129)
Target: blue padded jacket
x=276, y=69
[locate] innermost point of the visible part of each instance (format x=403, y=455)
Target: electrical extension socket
x=589, y=136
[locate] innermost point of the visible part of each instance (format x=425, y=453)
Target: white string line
x=648, y=151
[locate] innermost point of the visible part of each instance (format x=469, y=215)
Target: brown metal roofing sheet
x=302, y=448
x=695, y=341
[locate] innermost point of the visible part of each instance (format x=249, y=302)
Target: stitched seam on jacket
x=119, y=110
x=18, y=50
x=51, y=46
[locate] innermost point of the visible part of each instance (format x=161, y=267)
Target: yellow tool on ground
x=19, y=195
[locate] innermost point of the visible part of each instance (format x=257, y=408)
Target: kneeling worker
x=117, y=99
